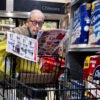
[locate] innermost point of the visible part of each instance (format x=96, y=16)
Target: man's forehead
x=37, y=16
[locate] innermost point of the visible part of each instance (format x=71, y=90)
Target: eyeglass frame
x=34, y=22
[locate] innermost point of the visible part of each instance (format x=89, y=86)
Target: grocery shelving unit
x=76, y=54
x=5, y=24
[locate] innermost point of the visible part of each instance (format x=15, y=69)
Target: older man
x=34, y=24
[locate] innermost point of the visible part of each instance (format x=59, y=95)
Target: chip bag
x=52, y=65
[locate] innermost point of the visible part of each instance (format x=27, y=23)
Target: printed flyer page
x=49, y=40
x=22, y=46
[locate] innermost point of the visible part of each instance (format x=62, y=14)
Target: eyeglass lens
x=36, y=22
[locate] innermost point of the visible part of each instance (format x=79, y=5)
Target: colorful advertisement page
x=50, y=40
x=22, y=46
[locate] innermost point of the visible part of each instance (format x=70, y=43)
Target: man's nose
x=37, y=25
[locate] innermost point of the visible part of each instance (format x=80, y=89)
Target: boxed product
x=94, y=34
x=81, y=24
x=92, y=75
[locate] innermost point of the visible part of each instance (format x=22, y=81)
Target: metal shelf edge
x=86, y=48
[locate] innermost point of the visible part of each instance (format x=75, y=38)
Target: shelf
x=7, y=25
x=2, y=32
x=84, y=47
x=75, y=2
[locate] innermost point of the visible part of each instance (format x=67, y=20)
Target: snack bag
x=52, y=65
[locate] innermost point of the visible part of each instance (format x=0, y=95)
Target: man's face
x=35, y=23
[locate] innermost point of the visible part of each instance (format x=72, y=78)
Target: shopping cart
x=85, y=88
x=27, y=85
x=51, y=85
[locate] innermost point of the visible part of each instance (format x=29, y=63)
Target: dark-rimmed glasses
x=34, y=22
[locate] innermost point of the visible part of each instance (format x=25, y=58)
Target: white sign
x=22, y=46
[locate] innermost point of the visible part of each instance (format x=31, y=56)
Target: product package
x=94, y=34
x=52, y=65
x=91, y=75
x=77, y=90
x=81, y=24
x=91, y=64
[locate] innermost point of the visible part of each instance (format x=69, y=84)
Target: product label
x=96, y=22
x=96, y=73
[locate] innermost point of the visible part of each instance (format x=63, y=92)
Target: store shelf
x=7, y=25
x=75, y=2
x=84, y=47
x=2, y=32
x=76, y=57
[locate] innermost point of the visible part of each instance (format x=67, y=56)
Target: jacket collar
x=30, y=34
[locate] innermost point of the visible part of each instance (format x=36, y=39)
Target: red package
x=51, y=64
x=90, y=67
x=91, y=74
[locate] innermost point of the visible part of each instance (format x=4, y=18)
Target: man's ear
x=27, y=20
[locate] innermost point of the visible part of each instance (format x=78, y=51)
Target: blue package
x=76, y=27
x=77, y=90
x=85, y=10
x=81, y=24
x=95, y=23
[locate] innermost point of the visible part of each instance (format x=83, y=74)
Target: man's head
x=35, y=22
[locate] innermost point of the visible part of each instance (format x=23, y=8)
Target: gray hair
x=36, y=11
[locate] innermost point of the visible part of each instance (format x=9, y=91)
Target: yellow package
x=87, y=62
x=27, y=66
x=85, y=71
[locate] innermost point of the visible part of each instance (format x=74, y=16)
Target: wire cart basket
x=29, y=85
x=48, y=85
